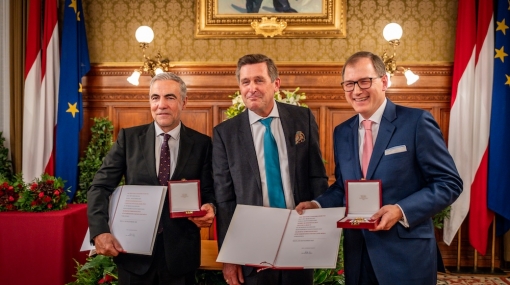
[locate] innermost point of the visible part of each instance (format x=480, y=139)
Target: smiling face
x=365, y=101
x=257, y=89
x=166, y=104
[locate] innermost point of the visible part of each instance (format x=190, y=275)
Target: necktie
x=164, y=162
x=272, y=163
x=368, y=146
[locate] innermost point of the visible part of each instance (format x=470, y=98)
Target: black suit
x=236, y=171
x=253, y=6
x=133, y=156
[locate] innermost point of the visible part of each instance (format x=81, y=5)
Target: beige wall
x=429, y=33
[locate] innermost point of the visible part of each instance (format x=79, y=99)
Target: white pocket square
x=395, y=149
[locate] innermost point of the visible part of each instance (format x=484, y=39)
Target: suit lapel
x=386, y=130
x=248, y=149
x=147, y=146
x=289, y=132
x=355, y=145
x=185, y=147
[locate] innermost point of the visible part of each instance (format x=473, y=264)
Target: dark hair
x=257, y=58
x=165, y=76
x=377, y=62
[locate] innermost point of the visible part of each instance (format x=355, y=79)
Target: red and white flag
x=42, y=70
x=470, y=119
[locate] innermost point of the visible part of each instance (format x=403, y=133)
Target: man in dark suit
x=282, y=6
x=136, y=156
x=419, y=179
x=239, y=162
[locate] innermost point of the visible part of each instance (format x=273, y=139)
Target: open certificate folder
x=281, y=238
x=134, y=213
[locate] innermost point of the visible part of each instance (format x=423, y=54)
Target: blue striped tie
x=273, y=174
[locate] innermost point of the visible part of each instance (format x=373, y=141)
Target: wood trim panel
x=107, y=93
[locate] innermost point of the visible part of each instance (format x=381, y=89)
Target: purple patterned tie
x=164, y=162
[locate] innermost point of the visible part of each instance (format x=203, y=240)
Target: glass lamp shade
x=158, y=70
x=144, y=34
x=411, y=77
x=388, y=75
x=392, y=31
x=133, y=79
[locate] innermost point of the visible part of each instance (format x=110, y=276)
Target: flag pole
x=458, y=247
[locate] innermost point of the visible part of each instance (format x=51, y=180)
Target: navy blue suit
x=422, y=180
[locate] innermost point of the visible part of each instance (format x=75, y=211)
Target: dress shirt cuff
x=403, y=220
x=317, y=203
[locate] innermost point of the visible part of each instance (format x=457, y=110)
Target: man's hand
x=107, y=245
x=205, y=221
x=306, y=205
x=389, y=215
x=233, y=274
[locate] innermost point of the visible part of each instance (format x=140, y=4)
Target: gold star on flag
x=507, y=80
x=72, y=109
x=500, y=53
x=73, y=5
x=502, y=26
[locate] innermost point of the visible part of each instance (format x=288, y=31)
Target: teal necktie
x=273, y=174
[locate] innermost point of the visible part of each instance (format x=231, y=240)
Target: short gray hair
x=164, y=76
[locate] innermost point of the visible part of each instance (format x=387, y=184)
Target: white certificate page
x=311, y=240
x=136, y=217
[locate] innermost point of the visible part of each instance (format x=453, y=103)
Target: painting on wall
x=253, y=18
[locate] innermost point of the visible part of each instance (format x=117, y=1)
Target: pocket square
x=300, y=137
x=395, y=149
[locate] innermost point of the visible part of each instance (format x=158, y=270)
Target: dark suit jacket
x=133, y=156
x=422, y=180
x=236, y=171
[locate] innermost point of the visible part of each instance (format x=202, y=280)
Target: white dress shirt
x=257, y=131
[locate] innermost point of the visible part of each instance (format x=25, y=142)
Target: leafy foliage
x=9, y=194
x=98, y=269
x=289, y=97
x=209, y=277
x=331, y=276
x=438, y=219
x=44, y=194
x=99, y=145
x=5, y=163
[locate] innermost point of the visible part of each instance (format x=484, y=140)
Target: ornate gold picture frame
x=212, y=23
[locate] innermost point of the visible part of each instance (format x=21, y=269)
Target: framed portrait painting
x=295, y=18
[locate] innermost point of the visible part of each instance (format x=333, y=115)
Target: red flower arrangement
x=44, y=194
x=9, y=195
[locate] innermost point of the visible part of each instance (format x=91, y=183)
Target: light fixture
x=392, y=33
x=144, y=35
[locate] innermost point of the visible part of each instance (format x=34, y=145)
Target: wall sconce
x=144, y=35
x=392, y=33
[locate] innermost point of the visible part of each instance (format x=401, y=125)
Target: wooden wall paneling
x=106, y=90
x=129, y=116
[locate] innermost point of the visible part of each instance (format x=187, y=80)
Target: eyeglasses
x=363, y=83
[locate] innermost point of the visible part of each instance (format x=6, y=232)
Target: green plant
x=99, y=145
x=9, y=194
x=43, y=194
x=438, y=219
x=331, y=276
x=289, y=97
x=98, y=269
x=5, y=163
x=209, y=277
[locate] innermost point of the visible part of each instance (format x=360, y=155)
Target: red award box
x=363, y=199
x=184, y=199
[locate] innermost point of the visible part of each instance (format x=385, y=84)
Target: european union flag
x=499, y=143
x=74, y=64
